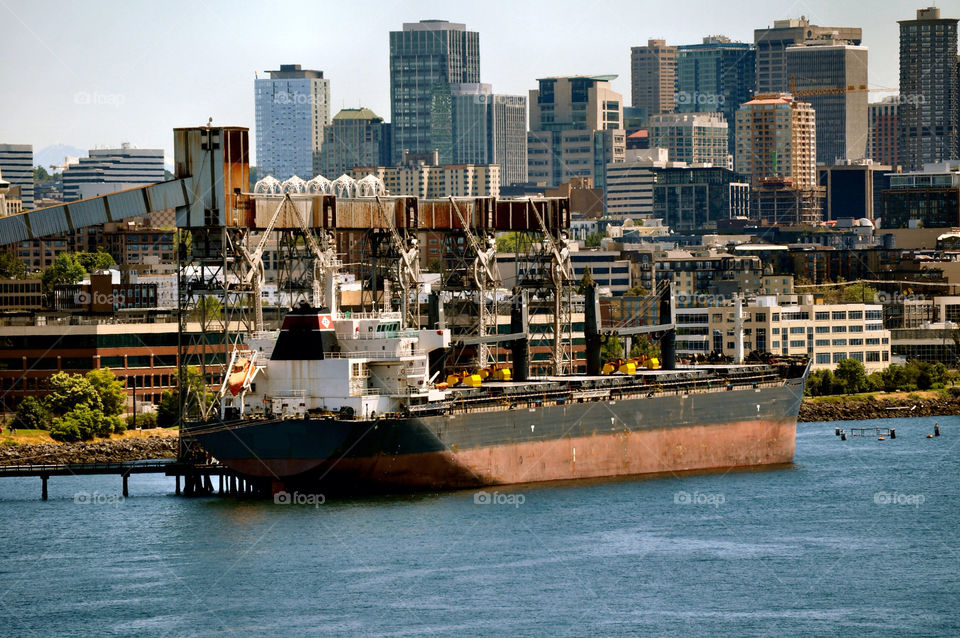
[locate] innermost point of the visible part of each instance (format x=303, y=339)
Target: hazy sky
x=99, y=72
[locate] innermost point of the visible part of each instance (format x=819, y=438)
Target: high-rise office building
x=292, y=107
x=355, y=137
x=16, y=163
x=763, y=150
x=575, y=129
x=426, y=57
x=510, y=138
x=772, y=43
x=653, y=74
x=716, y=76
x=832, y=76
x=108, y=170
x=883, y=131
x=485, y=128
x=694, y=138
x=777, y=148
x=929, y=114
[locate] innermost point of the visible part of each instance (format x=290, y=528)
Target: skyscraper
x=575, y=129
x=489, y=129
x=108, y=170
x=832, y=76
x=695, y=138
x=772, y=43
x=292, y=107
x=882, y=122
x=426, y=57
x=777, y=148
x=762, y=148
x=929, y=111
x=653, y=75
x=716, y=76
x=16, y=163
x=355, y=137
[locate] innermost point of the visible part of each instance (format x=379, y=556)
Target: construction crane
x=830, y=90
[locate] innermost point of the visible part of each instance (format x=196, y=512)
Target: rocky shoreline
x=870, y=408
x=105, y=451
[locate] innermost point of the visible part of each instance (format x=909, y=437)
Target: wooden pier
x=197, y=479
x=881, y=433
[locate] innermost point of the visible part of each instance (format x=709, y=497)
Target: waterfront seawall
x=103, y=451
x=870, y=408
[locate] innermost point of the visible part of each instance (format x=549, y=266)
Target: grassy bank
x=35, y=437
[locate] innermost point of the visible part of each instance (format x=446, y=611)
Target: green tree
x=168, y=409
x=826, y=384
x=859, y=292
x=64, y=270
x=11, y=266
x=31, y=415
x=586, y=281
x=592, y=240
x=508, y=242
x=70, y=391
x=112, y=394
x=40, y=174
x=643, y=347
x=94, y=261
x=851, y=376
x=84, y=423
x=612, y=349
x=208, y=308
x=637, y=291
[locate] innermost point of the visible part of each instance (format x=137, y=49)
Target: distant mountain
x=54, y=155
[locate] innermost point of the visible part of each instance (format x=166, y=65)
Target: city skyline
x=88, y=92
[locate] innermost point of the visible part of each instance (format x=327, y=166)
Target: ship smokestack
x=591, y=329
x=519, y=348
x=668, y=344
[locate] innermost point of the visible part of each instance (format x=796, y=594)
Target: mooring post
x=126, y=491
x=220, y=485
x=178, y=484
x=43, y=491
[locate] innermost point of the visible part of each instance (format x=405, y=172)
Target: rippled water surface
x=858, y=538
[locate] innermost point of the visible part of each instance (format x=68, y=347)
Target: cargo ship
x=341, y=402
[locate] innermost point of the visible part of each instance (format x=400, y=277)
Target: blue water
x=858, y=538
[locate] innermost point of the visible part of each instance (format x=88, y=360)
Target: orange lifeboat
x=238, y=375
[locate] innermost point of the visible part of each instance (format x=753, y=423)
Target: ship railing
x=388, y=316
x=386, y=334
x=374, y=354
x=558, y=396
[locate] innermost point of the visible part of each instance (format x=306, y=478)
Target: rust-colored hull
x=674, y=449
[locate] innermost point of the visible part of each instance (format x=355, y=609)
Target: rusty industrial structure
x=223, y=229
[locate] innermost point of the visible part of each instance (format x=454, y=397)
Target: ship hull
x=682, y=432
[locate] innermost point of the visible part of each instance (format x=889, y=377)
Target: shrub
x=144, y=420
x=31, y=415
x=65, y=431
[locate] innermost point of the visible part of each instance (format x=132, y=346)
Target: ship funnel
x=591, y=330
x=668, y=344
x=519, y=348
